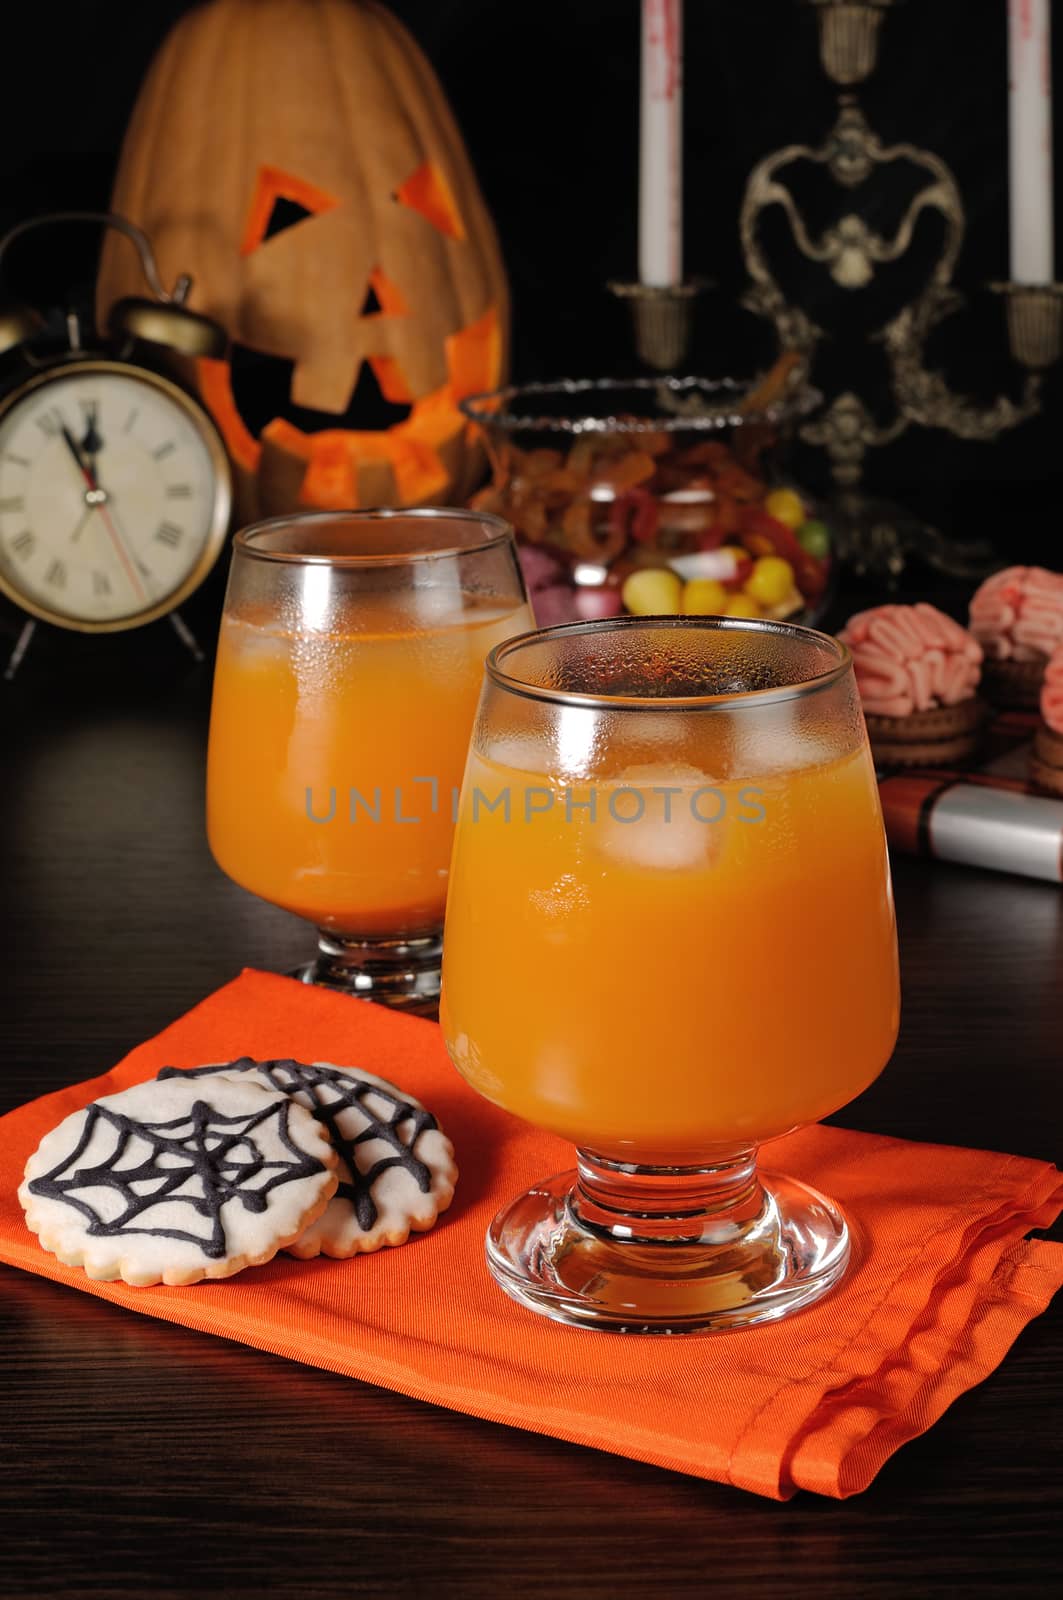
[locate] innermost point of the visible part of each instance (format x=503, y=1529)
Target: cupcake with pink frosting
x=1046, y=757
x=918, y=674
x=1017, y=618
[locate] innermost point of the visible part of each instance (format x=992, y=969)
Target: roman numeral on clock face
x=23, y=542
x=101, y=583
x=56, y=575
x=169, y=534
x=14, y=502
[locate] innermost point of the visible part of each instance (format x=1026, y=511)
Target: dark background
x=547, y=97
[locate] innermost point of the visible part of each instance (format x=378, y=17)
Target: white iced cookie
x=178, y=1180
x=396, y=1166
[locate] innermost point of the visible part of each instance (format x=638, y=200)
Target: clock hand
x=122, y=549
x=91, y=443
x=120, y=536
x=68, y=439
x=100, y=505
x=85, y=515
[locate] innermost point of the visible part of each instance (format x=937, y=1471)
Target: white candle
x=1030, y=140
x=660, y=144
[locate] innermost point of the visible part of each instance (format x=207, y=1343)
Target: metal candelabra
x=875, y=535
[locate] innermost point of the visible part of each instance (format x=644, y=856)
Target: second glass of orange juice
x=670, y=938
x=349, y=665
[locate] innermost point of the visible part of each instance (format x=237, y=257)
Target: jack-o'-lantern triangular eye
x=279, y=202
x=427, y=192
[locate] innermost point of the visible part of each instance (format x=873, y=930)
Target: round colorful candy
x=654, y=591
x=814, y=536
x=770, y=581
x=785, y=505
x=704, y=597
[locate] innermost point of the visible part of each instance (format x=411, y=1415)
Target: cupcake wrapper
x=927, y=738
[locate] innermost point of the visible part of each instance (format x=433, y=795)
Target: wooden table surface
x=141, y=1459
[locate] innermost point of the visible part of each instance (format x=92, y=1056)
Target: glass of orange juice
x=670, y=938
x=349, y=663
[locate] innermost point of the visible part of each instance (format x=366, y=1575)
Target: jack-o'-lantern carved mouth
x=262, y=387
x=388, y=444
x=343, y=459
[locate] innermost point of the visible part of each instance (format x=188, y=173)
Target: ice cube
x=518, y=753
x=666, y=817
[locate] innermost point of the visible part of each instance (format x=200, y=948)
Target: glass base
x=401, y=973
x=672, y=1250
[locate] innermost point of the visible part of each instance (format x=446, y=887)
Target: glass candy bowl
x=654, y=496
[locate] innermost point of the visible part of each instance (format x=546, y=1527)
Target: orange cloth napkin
x=943, y=1283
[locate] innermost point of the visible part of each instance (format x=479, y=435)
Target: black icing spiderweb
x=199, y=1160
x=328, y=1093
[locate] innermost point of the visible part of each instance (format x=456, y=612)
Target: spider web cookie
x=178, y=1181
x=396, y=1166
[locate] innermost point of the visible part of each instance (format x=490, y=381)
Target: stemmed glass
x=350, y=659
x=670, y=939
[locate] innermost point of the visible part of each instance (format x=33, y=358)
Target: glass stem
x=706, y=1204
x=391, y=970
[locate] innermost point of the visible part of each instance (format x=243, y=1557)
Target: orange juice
x=714, y=971
x=335, y=754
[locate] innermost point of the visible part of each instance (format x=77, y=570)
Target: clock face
x=114, y=496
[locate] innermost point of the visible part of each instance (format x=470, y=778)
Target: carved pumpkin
x=299, y=160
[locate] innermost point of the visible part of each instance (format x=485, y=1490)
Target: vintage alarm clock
x=115, y=491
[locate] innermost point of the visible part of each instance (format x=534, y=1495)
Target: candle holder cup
x=1035, y=322
x=663, y=319
x=849, y=36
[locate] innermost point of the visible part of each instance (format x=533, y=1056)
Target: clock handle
x=109, y=219
x=164, y=320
